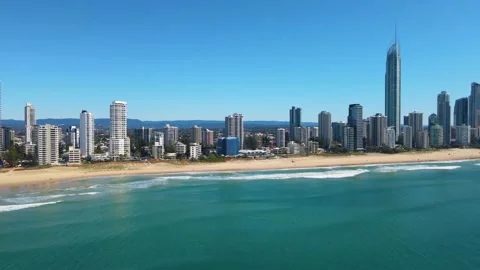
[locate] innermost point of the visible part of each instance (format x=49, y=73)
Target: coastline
x=16, y=178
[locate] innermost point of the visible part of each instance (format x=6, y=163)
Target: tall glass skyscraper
x=444, y=116
x=393, y=88
x=295, y=121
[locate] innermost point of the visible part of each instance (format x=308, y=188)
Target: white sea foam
x=478, y=164
x=38, y=199
x=414, y=168
x=138, y=184
x=330, y=174
x=14, y=207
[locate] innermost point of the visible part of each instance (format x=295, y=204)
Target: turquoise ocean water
x=417, y=216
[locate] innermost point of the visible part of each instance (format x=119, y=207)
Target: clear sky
x=191, y=59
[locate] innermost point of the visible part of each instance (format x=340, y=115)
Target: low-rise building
x=195, y=150
x=158, y=150
x=228, y=146
x=312, y=147
x=293, y=148
x=180, y=148
x=74, y=156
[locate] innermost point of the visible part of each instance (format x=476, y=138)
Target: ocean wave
x=14, y=207
x=37, y=199
x=478, y=164
x=331, y=174
x=414, y=168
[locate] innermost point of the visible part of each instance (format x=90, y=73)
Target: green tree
x=12, y=157
x=98, y=150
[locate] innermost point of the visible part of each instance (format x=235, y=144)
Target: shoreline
x=52, y=175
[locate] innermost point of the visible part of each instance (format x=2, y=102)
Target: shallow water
x=422, y=216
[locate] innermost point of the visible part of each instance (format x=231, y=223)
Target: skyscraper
x=197, y=135
x=325, y=128
x=390, y=137
x=415, y=120
x=30, y=121
x=119, y=140
x=234, y=127
x=295, y=121
x=208, y=137
x=378, y=127
x=444, y=116
x=280, y=137
x=48, y=141
x=407, y=137
x=436, y=135
x=355, y=120
x=460, y=112
x=143, y=135
x=393, y=86
x=171, y=135
x=337, y=131
x=87, y=134
x=474, y=105
x=72, y=137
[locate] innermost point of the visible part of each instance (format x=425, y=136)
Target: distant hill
x=135, y=123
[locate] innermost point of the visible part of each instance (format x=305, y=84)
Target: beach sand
x=21, y=177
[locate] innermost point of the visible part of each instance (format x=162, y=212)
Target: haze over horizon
x=190, y=60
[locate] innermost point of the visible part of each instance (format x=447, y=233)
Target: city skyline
x=284, y=60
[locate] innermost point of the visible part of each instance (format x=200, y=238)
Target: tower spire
x=395, y=32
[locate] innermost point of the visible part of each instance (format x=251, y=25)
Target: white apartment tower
x=48, y=140
x=87, y=131
x=171, y=135
x=234, y=127
x=119, y=140
x=325, y=128
x=280, y=137
x=197, y=134
x=30, y=121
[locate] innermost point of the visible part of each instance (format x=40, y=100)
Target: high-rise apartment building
x=197, y=135
x=415, y=120
x=171, y=135
x=390, y=137
x=280, y=137
x=143, y=135
x=349, y=138
x=72, y=137
x=407, y=137
x=444, y=116
x=30, y=121
x=234, y=127
x=119, y=140
x=405, y=120
x=325, y=128
x=208, y=137
x=315, y=132
x=8, y=137
x=48, y=140
x=474, y=105
x=355, y=120
x=337, y=131
x=462, y=135
x=422, y=139
x=378, y=128
x=436, y=135
x=158, y=138
x=460, y=112
x=393, y=86
x=295, y=121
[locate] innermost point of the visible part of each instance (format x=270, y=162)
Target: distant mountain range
x=135, y=123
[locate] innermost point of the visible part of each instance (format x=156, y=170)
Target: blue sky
x=205, y=59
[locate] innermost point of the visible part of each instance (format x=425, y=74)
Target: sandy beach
x=21, y=177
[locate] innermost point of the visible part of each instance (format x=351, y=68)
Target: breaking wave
x=14, y=207
x=38, y=199
x=415, y=168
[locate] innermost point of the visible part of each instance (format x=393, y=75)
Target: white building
x=325, y=127
x=87, y=134
x=462, y=135
x=171, y=135
x=158, y=138
x=280, y=137
x=158, y=151
x=390, y=137
x=197, y=134
x=208, y=137
x=195, y=150
x=73, y=155
x=312, y=147
x=72, y=136
x=180, y=148
x=315, y=132
x=30, y=121
x=119, y=140
x=234, y=127
x=293, y=148
x=407, y=137
x=48, y=140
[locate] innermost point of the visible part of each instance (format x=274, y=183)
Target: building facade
x=436, y=135
x=119, y=145
x=280, y=138
x=195, y=151
x=337, y=131
x=74, y=155
x=460, y=112
x=180, y=148
x=234, y=127
x=295, y=121
x=143, y=135
x=171, y=135
x=208, y=137
x=408, y=137
x=422, y=140
x=415, y=120
x=355, y=120
x=30, y=121
x=393, y=87
x=444, y=116
x=462, y=135
x=48, y=140
x=378, y=128
x=228, y=146
x=197, y=134
x=390, y=137
x=325, y=128
x=474, y=105
x=349, y=138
